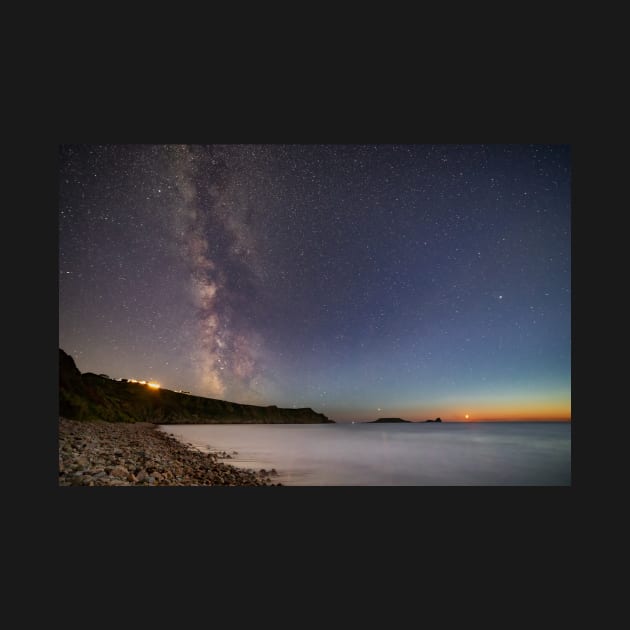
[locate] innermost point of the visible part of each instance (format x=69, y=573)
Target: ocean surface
x=416, y=454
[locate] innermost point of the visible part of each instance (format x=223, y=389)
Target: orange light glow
x=153, y=385
x=555, y=408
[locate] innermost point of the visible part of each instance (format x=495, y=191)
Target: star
x=267, y=274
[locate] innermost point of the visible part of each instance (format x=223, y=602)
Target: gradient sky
x=359, y=280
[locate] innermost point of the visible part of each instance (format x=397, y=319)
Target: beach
x=97, y=453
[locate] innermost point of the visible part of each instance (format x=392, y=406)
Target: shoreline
x=99, y=453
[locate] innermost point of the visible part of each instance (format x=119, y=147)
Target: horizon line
x=470, y=421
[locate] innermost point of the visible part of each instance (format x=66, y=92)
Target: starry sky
x=360, y=280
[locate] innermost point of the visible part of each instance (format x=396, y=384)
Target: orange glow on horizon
x=153, y=385
x=556, y=410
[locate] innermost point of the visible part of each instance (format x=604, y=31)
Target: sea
x=413, y=454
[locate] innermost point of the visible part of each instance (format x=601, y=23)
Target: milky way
x=224, y=352
x=360, y=280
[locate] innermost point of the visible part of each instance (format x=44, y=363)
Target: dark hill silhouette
x=390, y=420
x=436, y=420
x=94, y=397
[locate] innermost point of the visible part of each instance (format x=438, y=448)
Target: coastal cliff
x=95, y=397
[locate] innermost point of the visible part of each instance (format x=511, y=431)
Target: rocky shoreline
x=97, y=453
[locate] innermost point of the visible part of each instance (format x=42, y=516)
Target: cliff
x=93, y=397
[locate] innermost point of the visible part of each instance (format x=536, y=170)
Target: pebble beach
x=119, y=454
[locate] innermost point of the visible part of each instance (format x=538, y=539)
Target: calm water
x=395, y=454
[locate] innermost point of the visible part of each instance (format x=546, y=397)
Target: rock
x=114, y=454
x=119, y=472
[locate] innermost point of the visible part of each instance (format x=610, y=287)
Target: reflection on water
x=396, y=454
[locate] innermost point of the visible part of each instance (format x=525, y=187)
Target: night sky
x=360, y=280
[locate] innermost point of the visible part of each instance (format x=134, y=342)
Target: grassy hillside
x=92, y=397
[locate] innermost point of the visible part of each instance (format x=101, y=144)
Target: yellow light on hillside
x=153, y=385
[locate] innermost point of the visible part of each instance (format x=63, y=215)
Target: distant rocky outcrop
x=94, y=397
x=436, y=420
x=390, y=420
